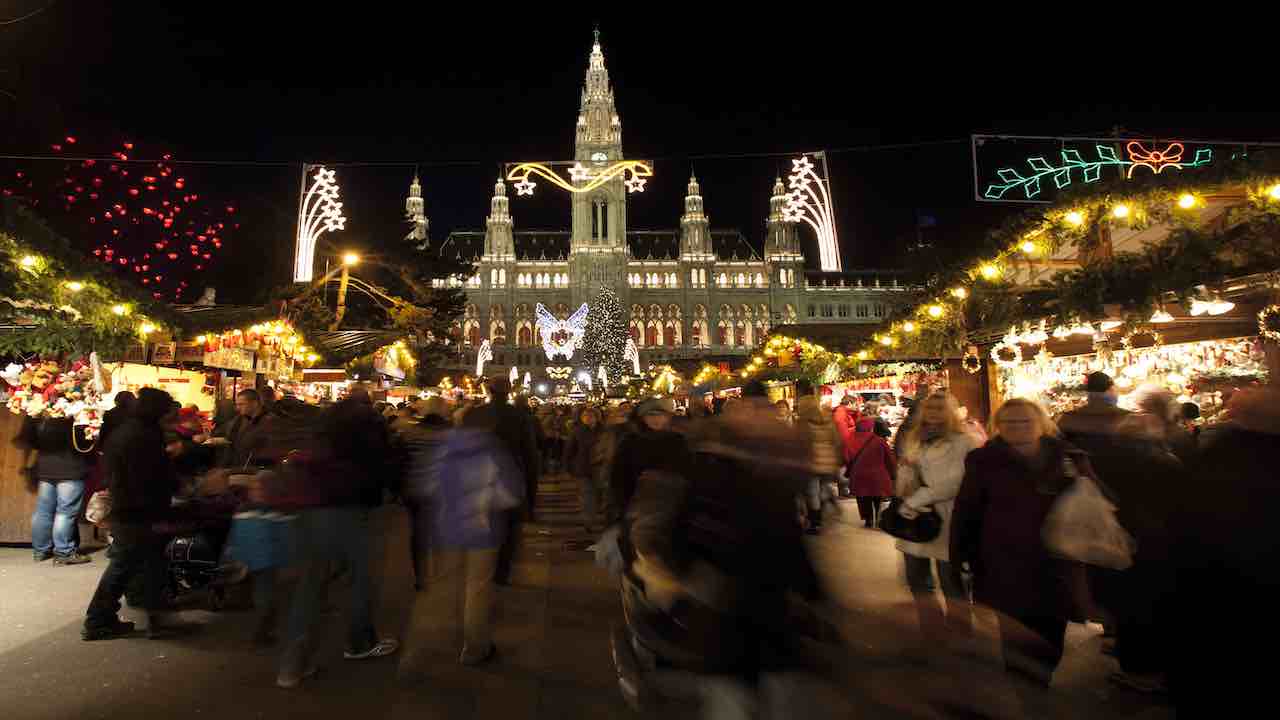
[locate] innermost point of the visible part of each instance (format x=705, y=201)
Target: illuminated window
x=812, y=311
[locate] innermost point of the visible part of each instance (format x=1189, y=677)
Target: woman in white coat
x=930, y=470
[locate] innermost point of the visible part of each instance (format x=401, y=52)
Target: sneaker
x=41, y=556
x=74, y=558
x=384, y=647
x=107, y=632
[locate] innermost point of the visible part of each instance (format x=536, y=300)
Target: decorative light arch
x=633, y=172
x=320, y=212
x=814, y=209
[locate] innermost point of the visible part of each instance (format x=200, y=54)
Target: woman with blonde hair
x=1009, y=487
x=930, y=469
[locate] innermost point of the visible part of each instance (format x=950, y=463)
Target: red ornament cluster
x=125, y=212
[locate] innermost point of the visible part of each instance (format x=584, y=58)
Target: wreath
x=1269, y=322
x=1014, y=354
x=1156, y=337
x=971, y=361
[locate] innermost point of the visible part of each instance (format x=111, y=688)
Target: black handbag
x=924, y=527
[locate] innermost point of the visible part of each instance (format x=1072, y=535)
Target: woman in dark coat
x=872, y=467
x=1009, y=487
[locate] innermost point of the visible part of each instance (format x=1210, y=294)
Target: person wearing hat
x=1139, y=476
x=652, y=445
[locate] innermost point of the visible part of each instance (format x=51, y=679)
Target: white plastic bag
x=1082, y=526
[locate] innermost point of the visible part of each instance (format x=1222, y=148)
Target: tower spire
x=599, y=128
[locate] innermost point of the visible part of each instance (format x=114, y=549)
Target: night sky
x=387, y=88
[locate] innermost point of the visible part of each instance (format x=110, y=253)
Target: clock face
x=599, y=158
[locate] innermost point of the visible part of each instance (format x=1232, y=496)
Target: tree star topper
x=582, y=179
x=561, y=337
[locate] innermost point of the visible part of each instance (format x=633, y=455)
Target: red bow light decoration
x=1155, y=160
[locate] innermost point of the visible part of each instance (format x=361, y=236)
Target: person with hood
x=142, y=483
x=347, y=480
x=1009, y=487
x=651, y=445
x=714, y=555
x=930, y=469
x=873, y=470
x=580, y=457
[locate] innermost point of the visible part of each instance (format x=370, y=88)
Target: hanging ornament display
x=1006, y=355
x=971, y=362
x=1269, y=322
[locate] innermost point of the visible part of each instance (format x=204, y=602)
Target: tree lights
x=320, y=212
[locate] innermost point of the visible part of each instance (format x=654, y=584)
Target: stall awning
x=324, y=375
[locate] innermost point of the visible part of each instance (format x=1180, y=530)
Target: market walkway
x=552, y=631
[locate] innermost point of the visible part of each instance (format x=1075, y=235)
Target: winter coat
x=641, y=450
x=514, y=429
x=846, y=420
x=934, y=483
x=825, y=440
x=470, y=482
x=580, y=453
x=139, y=474
x=352, y=456
x=874, y=468
x=996, y=527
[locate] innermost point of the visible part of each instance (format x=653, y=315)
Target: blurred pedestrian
x=930, y=470
x=1009, y=487
x=580, y=457
x=873, y=470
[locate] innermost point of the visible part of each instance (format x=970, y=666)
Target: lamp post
x=348, y=261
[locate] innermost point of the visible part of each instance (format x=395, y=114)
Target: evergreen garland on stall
x=606, y=336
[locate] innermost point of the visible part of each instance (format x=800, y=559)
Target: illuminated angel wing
x=579, y=317
x=545, y=318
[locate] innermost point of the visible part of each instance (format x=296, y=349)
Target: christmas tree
x=606, y=336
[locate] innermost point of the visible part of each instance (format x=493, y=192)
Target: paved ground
x=552, y=631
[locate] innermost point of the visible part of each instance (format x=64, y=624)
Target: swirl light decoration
x=810, y=202
x=319, y=213
x=632, y=353
x=633, y=173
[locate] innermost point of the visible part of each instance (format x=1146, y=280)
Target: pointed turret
x=599, y=129
x=415, y=212
x=781, y=232
x=694, y=225
x=499, y=226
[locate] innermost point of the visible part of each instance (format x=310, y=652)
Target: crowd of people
x=705, y=507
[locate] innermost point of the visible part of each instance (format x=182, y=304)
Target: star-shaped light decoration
x=579, y=173
x=801, y=165
x=525, y=186
x=325, y=177
x=635, y=184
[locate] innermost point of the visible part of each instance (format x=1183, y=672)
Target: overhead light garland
x=1090, y=171
x=582, y=179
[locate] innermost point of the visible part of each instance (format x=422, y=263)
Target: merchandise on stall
x=1204, y=372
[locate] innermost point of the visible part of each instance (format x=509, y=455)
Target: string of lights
x=475, y=163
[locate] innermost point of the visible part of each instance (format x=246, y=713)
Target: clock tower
x=598, y=241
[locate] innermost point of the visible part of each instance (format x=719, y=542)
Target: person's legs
x=417, y=543
x=588, y=501
x=134, y=550
x=1032, y=646
x=507, y=553
x=42, y=518
x=354, y=531
x=70, y=497
x=866, y=510
x=314, y=530
x=477, y=609
x=920, y=581
x=264, y=604
x=959, y=615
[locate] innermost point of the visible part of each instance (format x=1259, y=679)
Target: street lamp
x=350, y=259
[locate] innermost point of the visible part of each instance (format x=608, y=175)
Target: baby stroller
x=193, y=554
